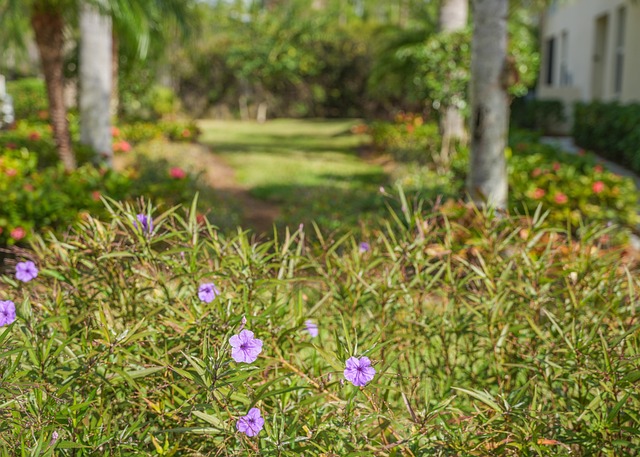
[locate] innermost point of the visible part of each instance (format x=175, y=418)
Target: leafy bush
x=487, y=336
x=574, y=188
x=36, y=199
x=147, y=103
x=539, y=115
x=610, y=129
x=138, y=132
x=407, y=139
x=30, y=100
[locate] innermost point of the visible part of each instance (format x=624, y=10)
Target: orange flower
x=34, y=136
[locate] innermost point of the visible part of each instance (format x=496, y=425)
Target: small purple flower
x=359, y=371
x=364, y=247
x=312, y=328
x=26, y=271
x=54, y=438
x=251, y=424
x=7, y=312
x=146, y=223
x=245, y=347
x=208, y=292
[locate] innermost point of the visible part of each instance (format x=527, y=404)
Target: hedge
x=610, y=129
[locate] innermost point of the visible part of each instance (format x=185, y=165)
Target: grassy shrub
x=490, y=337
x=611, y=129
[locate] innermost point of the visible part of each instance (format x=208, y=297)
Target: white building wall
x=578, y=22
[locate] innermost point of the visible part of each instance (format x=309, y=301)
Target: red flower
x=536, y=172
x=581, y=152
x=597, y=187
x=34, y=136
x=186, y=133
x=28, y=187
x=95, y=195
x=177, y=173
x=11, y=172
x=115, y=131
x=598, y=168
x=556, y=166
x=200, y=219
x=410, y=128
x=18, y=233
x=560, y=198
x=11, y=146
x=538, y=193
x=44, y=114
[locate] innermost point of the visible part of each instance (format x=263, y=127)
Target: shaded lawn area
x=310, y=167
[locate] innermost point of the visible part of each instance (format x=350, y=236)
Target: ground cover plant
x=447, y=333
x=575, y=189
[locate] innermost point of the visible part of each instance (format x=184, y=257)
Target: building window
x=550, y=67
x=565, y=79
x=618, y=61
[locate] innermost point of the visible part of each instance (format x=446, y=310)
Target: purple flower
x=26, y=271
x=7, y=312
x=208, y=292
x=312, y=328
x=146, y=223
x=245, y=347
x=251, y=424
x=359, y=371
x=364, y=247
x=54, y=438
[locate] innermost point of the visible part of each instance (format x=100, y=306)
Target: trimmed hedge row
x=539, y=115
x=610, y=129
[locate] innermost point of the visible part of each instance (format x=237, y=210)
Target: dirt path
x=257, y=214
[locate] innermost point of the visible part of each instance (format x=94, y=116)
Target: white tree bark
x=487, y=181
x=453, y=17
x=95, y=82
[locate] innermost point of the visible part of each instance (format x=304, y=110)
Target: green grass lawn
x=311, y=168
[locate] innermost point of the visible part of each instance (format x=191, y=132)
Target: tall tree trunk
x=453, y=17
x=48, y=27
x=115, y=67
x=487, y=182
x=95, y=82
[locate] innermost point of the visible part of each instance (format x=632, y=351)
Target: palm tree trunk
x=487, y=181
x=48, y=26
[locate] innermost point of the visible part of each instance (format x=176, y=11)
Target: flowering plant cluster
x=138, y=345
